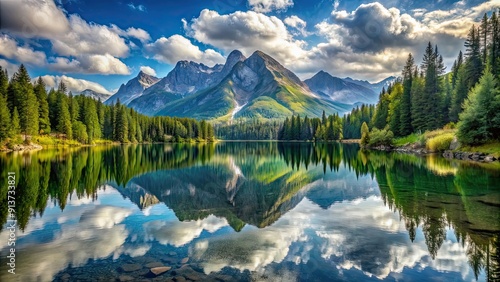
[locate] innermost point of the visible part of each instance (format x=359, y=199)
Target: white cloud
x=297, y=23
x=10, y=49
x=265, y=6
x=29, y=18
x=458, y=21
x=74, y=85
x=101, y=237
x=91, y=64
x=10, y=67
x=179, y=233
x=246, y=31
x=349, y=246
x=89, y=38
x=148, y=70
x=138, y=33
x=176, y=48
x=139, y=7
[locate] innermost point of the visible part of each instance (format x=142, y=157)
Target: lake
x=249, y=211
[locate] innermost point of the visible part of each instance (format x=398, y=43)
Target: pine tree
x=4, y=83
x=63, y=122
x=418, y=114
x=323, y=118
x=91, y=119
x=405, y=112
x=494, y=57
x=74, y=108
x=25, y=101
x=480, y=120
x=458, y=95
x=473, y=54
x=5, y=123
x=43, y=106
x=122, y=124
x=53, y=108
x=381, y=111
x=365, y=139
x=394, y=112
x=15, y=128
x=484, y=31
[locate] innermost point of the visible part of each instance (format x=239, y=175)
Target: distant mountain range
x=253, y=87
x=376, y=87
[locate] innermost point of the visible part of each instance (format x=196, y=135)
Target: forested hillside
x=28, y=111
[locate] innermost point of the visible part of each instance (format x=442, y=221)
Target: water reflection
x=296, y=211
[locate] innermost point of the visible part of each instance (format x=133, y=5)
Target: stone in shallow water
x=180, y=279
x=172, y=254
x=184, y=260
x=169, y=260
x=130, y=267
x=224, y=278
x=154, y=264
x=195, y=276
x=160, y=270
x=124, y=278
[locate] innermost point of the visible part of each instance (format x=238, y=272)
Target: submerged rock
x=154, y=264
x=160, y=270
x=184, y=260
x=124, y=278
x=130, y=267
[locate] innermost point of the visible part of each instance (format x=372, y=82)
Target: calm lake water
x=250, y=212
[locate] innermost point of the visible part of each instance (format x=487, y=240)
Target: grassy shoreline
x=51, y=142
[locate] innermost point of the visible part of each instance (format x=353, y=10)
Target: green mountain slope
x=258, y=87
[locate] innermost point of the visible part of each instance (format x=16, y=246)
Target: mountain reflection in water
x=252, y=211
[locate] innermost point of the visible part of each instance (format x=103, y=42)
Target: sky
x=101, y=44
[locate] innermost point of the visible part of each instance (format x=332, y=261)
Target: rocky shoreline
x=449, y=154
x=468, y=156
x=22, y=148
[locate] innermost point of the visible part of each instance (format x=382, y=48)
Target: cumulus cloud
x=177, y=233
x=372, y=27
x=78, y=46
x=91, y=64
x=297, y=23
x=246, y=31
x=457, y=21
x=33, y=18
x=177, y=47
x=265, y=6
x=148, y=70
x=10, y=49
x=74, y=85
x=89, y=38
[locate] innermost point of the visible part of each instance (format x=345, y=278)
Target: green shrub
x=440, y=143
x=410, y=139
x=380, y=137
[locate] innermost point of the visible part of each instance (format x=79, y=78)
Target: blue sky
x=102, y=44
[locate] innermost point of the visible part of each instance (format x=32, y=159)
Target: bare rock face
x=133, y=89
x=454, y=144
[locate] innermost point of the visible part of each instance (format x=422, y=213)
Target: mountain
x=185, y=79
x=133, y=89
x=257, y=87
x=95, y=95
x=339, y=90
x=376, y=87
